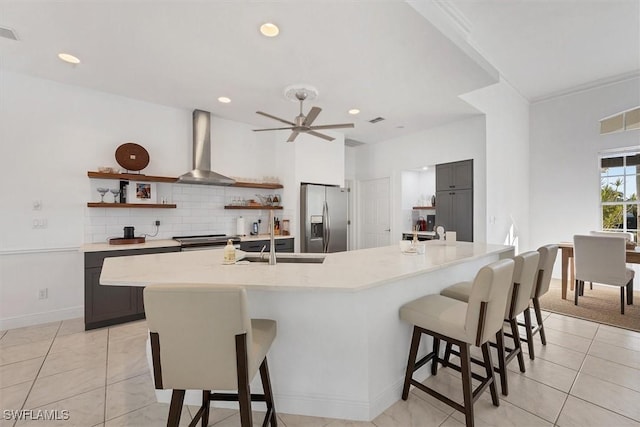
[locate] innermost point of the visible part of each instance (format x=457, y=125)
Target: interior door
x=375, y=213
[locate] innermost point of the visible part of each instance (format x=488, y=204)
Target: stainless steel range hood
x=202, y=173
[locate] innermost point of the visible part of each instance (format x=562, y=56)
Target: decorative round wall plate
x=132, y=156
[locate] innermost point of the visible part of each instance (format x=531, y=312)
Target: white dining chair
x=601, y=259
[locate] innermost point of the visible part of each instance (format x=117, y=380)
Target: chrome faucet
x=262, y=251
x=272, y=242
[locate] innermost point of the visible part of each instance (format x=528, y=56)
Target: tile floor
x=587, y=375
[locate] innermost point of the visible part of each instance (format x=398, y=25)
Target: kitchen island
x=341, y=348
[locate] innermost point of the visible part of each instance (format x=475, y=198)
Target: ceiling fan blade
x=320, y=135
x=313, y=113
x=293, y=136
x=336, y=126
x=260, y=130
x=276, y=118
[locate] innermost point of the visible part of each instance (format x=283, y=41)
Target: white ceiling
x=382, y=57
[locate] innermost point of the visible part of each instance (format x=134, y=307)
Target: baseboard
x=39, y=318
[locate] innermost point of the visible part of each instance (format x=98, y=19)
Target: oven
x=206, y=242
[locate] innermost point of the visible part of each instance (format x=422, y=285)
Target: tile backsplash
x=200, y=210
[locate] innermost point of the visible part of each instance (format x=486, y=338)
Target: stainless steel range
x=204, y=242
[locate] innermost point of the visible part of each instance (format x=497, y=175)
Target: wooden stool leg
x=527, y=323
x=502, y=365
x=447, y=354
x=436, y=353
x=467, y=389
x=536, y=308
x=206, y=405
x=517, y=343
x=411, y=363
x=268, y=394
x=175, y=408
x=244, y=393
x=488, y=364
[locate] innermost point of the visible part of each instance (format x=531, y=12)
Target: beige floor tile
x=64, y=361
x=616, y=398
x=616, y=354
x=291, y=420
x=234, y=420
x=574, y=326
x=612, y=372
x=18, y=353
x=19, y=372
x=507, y=414
x=537, y=398
x=619, y=331
x=127, y=358
x=215, y=414
x=71, y=326
x=619, y=340
x=64, y=385
x=90, y=339
x=561, y=355
x=570, y=341
x=129, y=395
x=414, y=412
x=85, y=409
x=578, y=413
x=128, y=330
x=452, y=422
x=543, y=371
x=12, y=398
x=349, y=423
x=153, y=415
x=28, y=335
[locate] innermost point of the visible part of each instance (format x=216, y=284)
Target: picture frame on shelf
x=142, y=192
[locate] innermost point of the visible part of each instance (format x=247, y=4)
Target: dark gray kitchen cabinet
x=282, y=245
x=454, y=198
x=110, y=305
x=454, y=176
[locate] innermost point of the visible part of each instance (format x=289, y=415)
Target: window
x=619, y=183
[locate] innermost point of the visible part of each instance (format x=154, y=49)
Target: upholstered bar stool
x=524, y=277
x=463, y=324
x=202, y=339
x=548, y=254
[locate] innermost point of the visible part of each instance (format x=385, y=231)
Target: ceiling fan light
x=269, y=29
x=354, y=111
x=224, y=99
x=67, y=57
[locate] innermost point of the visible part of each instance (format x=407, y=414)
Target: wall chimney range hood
x=202, y=173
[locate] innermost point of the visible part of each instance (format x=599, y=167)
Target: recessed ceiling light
x=424, y=168
x=269, y=29
x=224, y=99
x=67, y=57
x=354, y=111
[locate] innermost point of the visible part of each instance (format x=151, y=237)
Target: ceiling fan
x=302, y=123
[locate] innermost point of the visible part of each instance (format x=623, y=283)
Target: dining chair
x=602, y=260
x=620, y=234
x=203, y=339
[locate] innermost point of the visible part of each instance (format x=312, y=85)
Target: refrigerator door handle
x=325, y=227
x=328, y=228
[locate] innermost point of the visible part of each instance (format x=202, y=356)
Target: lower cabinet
x=282, y=245
x=454, y=211
x=110, y=305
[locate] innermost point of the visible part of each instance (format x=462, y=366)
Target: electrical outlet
x=43, y=293
x=157, y=223
x=37, y=205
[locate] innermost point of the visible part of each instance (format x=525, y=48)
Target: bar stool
x=524, y=277
x=202, y=339
x=462, y=324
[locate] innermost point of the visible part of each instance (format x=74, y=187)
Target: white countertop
x=100, y=247
x=348, y=271
x=422, y=233
x=263, y=237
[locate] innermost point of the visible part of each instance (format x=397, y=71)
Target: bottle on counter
x=229, y=253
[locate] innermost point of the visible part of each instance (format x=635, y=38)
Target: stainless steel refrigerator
x=323, y=218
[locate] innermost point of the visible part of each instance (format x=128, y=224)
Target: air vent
x=376, y=120
x=8, y=33
x=352, y=142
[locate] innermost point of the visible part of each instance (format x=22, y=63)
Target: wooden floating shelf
x=423, y=207
x=252, y=207
x=257, y=185
x=131, y=177
x=131, y=205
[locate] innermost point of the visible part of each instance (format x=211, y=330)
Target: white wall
x=565, y=175
x=52, y=134
x=507, y=163
x=459, y=140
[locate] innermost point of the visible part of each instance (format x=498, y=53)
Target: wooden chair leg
x=502, y=364
x=488, y=364
x=206, y=405
x=622, y=289
x=527, y=324
x=576, y=292
x=590, y=286
x=517, y=343
x=411, y=362
x=244, y=393
x=436, y=353
x=447, y=354
x=630, y=292
x=175, y=408
x=467, y=389
x=268, y=394
x=536, y=308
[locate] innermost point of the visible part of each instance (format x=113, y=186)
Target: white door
x=375, y=213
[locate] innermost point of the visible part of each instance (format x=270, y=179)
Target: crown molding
x=607, y=81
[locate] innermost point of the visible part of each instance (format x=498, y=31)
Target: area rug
x=602, y=305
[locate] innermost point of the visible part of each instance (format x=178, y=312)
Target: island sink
x=285, y=259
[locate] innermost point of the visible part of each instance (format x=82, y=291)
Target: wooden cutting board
x=132, y=156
